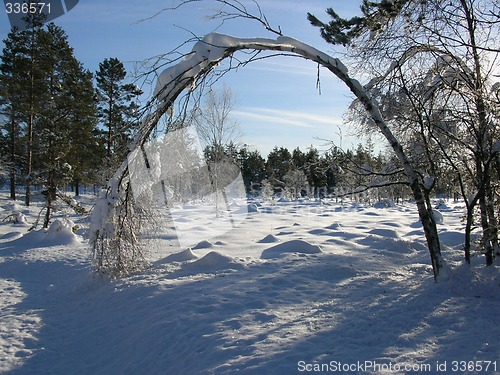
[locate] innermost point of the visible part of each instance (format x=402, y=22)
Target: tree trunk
x=77, y=187
x=469, y=220
x=429, y=225
x=424, y=211
x=486, y=244
x=13, y=159
x=493, y=221
x=12, y=184
x=484, y=137
x=51, y=196
x=29, y=159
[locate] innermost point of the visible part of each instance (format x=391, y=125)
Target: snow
x=294, y=246
x=296, y=285
x=270, y=238
x=438, y=216
x=214, y=47
x=183, y=256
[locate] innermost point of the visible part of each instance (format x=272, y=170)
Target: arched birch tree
x=114, y=231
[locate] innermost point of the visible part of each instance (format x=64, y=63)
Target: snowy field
x=298, y=287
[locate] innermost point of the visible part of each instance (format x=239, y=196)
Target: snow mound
x=441, y=205
x=16, y=217
x=183, y=256
x=332, y=273
x=388, y=244
x=60, y=232
x=334, y=226
x=11, y=235
x=203, y=245
x=294, y=246
x=21, y=219
x=388, y=233
x=213, y=262
x=452, y=238
x=270, y=238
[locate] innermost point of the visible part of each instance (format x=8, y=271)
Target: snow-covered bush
x=267, y=189
x=61, y=231
x=295, y=182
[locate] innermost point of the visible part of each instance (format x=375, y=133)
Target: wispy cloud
x=287, y=117
x=291, y=66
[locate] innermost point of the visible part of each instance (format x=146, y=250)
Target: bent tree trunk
x=209, y=52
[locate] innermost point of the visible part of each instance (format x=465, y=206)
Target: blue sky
x=277, y=100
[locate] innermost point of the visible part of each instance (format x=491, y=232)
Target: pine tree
x=36, y=87
x=253, y=168
x=85, y=151
x=279, y=163
x=10, y=99
x=116, y=107
x=67, y=116
x=47, y=101
x=22, y=79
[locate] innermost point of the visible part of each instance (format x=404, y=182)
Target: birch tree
x=431, y=66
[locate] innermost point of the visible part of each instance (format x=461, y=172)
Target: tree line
x=60, y=124
x=338, y=173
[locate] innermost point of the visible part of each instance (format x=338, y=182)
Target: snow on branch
x=114, y=229
x=213, y=48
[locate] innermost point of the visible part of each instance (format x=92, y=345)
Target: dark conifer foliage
x=48, y=107
x=117, y=107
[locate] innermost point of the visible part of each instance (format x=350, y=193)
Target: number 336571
x=25, y=8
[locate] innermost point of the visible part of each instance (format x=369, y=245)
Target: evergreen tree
x=279, y=163
x=85, y=151
x=67, y=117
x=23, y=84
x=298, y=158
x=11, y=97
x=48, y=101
x=314, y=170
x=253, y=168
x=116, y=107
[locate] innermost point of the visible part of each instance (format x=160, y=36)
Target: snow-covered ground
x=298, y=287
